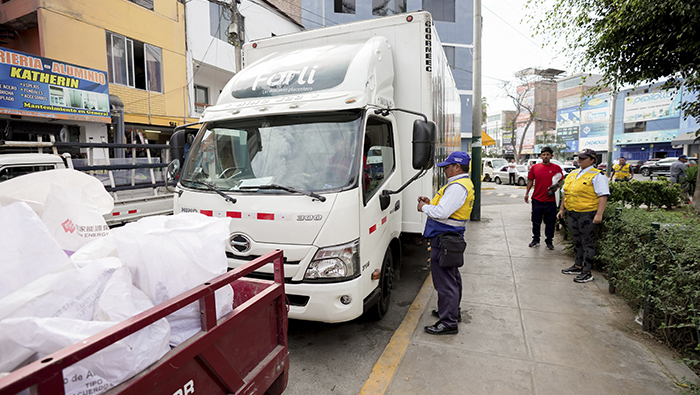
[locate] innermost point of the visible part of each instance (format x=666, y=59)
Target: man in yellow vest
x=622, y=171
x=586, y=192
x=448, y=213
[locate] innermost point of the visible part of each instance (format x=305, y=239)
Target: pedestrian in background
x=448, y=213
x=678, y=169
x=546, y=177
x=511, y=172
x=622, y=171
x=586, y=192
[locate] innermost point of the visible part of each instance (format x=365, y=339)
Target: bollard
x=648, y=269
x=611, y=274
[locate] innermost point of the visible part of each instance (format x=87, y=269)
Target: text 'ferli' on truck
x=317, y=148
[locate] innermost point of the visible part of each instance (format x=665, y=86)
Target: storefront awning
x=486, y=140
x=686, y=138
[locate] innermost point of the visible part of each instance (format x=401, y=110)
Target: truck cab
x=15, y=165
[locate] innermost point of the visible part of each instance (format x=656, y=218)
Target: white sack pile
x=65, y=276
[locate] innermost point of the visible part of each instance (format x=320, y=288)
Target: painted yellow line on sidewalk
x=389, y=361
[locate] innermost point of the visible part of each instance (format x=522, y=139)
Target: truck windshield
x=305, y=152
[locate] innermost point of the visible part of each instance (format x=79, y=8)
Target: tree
x=520, y=95
x=631, y=42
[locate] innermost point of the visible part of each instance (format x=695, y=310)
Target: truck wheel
x=497, y=180
x=646, y=172
x=487, y=178
x=386, y=283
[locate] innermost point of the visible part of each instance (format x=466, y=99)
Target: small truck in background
x=135, y=184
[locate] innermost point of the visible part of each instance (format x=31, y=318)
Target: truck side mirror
x=177, y=145
x=424, y=134
x=171, y=173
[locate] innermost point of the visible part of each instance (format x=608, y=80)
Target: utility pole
x=611, y=132
x=476, y=115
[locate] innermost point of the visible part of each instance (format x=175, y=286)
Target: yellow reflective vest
x=463, y=213
x=579, y=194
x=622, y=171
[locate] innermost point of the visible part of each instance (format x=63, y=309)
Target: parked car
x=661, y=167
x=501, y=175
x=635, y=165
x=564, y=167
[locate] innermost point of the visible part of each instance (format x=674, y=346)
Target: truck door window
x=378, y=156
x=7, y=173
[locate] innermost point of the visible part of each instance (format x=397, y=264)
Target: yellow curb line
x=488, y=188
x=388, y=362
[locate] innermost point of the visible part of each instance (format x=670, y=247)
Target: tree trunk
x=696, y=195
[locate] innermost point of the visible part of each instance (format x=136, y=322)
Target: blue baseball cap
x=458, y=157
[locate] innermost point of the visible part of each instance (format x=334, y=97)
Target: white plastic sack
x=72, y=217
x=169, y=255
x=34, y=189
x=70, y=293
x=28, y=250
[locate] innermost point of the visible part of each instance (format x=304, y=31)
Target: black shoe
x=534, y=243
x=437, y=314
x=550, y=246
x=572, y=270
x=440, y=329
x=583, y=278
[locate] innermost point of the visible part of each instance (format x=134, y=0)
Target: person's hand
x=560, y=214
x=422, y=201
x=598, y=218
x=527, y=198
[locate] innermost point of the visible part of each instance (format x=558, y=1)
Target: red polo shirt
x=542, y=175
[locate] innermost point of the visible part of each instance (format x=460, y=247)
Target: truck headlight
x=336, y=263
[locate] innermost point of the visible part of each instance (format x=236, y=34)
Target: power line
x=519, y=32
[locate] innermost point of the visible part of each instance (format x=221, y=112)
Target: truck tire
x=487, y=178
x=386, y=283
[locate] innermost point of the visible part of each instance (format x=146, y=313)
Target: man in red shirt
x=547, y=177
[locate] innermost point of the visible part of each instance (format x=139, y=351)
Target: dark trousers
x=511, y=178
x=546, y=211
x=582, y=231
x=448, y=284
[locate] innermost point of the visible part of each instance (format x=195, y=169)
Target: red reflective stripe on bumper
x=115, y=214
x=372, y=229
x=383, y=220
x=209, y=213
x=270, y=217
x=133, y=211
x=233, y=214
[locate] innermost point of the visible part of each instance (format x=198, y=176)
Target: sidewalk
x=527, y=328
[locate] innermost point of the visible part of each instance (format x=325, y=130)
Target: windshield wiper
x=284, y=188
x=213, y=188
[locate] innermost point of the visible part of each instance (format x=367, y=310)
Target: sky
x=508, y=47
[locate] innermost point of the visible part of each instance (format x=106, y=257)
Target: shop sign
x=34, y=86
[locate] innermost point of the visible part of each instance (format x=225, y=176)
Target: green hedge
x=664, y=267
x=660, y=193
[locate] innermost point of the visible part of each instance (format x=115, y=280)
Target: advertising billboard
x=595, y=122
x=40, y=87
x=650, y=106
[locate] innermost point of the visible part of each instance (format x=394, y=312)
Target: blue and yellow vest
x=579, y=194
x=622, y=171
x=457, y=221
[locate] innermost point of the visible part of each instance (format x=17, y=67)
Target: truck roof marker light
x=350, y=101
x=255, y=45
x=408, y=19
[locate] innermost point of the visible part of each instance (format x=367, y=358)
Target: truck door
x=379, y=172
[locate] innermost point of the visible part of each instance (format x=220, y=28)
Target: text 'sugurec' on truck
x=317, y=148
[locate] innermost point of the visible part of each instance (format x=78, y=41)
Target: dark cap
x=586, y=153
x=458, y=157
x=682, y=157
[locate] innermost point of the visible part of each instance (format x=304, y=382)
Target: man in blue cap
x=448, y=213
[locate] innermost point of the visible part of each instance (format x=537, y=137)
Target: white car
x=565, y=168
x=501, y=175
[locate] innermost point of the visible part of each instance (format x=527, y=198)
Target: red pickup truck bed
x=245, y=352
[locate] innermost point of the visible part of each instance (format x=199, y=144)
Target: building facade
x=453, y=20
x=498, y=126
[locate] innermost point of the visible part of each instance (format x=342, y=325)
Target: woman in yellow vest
x=448, y=213
x=586, y=192
x=622, y=171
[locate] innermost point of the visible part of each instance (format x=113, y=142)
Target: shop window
x=201, y=98
x=634, y=127
x=388, y=7
x=219, y=21
x=344, y=6
x=441, y=10
x=134, y=63
x=148, y=4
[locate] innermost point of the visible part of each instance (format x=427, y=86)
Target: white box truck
x=316, y=148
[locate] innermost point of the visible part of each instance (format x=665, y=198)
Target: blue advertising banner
x=595, y=122
x=39, y=87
